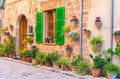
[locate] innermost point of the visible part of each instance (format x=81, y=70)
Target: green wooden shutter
x=39, y=27
x=60, y=17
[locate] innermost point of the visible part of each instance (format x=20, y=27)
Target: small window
x=49, y=26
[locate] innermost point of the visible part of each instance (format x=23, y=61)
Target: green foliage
x=117, y=32
x=111, y=68
x=96, y=40
x=29, y=39
x=68, y=48
x=87, y=31
x=1, y=50
x=116, y=51
x=66, y=29
x=40, y=56
x=63, y=61
x=22, y=52
x=1, y=31
x=54, y=56
x=7, y=33
x=73, y=35
x=98, y=61
x=75, y=60
x=82, y=68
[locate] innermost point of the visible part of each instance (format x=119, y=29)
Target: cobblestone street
x=13, y=70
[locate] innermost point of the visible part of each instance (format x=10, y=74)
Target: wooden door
x=22, y=32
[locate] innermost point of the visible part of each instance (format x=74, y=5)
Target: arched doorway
x=22, y=31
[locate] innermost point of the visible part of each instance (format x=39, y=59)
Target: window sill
x=52, y=44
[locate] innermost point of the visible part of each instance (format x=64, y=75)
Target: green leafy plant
x=75, y=60
x=22, y=52
x=111, y=69
x=97, y=19
x=82, y=68
x=29, y=39
x=96, y=40
x=73, y=35
x=68, y=48
x=40, y=56
x=116, y=51
x=63, y=61
x=98, y=61
x=87, y=31
x=66, y=29
x=54, y=56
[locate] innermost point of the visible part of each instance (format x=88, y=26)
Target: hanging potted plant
x=7, y=34
x=11, y=28
x=98, y=64
x=73, y=36
x=111, y=70
x=116, y=35
x=87, y=33
x=98, y=22
x=96, y=43
x=69, y=50
x=74, y=21
x=29, y=39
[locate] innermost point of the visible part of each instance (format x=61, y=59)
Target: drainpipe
x=112, y=27
x=81, y=19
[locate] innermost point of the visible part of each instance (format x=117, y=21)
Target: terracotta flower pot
x=29, y=60
x=98, y=25
x=68, y=53
x=87, y=34
x=98, y=46
x=72, y=40
x=74, y=68
x=63, y=68
x=6, y=55
x=48, y=64
x=55, y=65
x=42, y=63
x=96, y=72
x=24, y=59
x=10, y=55
x=117, y=38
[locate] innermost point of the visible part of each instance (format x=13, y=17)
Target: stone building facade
x=15, y=10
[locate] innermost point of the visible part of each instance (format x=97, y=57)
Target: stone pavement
x=16, y=70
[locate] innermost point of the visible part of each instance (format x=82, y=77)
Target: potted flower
x=98, y=64
x=63, y=62
x=96, y=43
x=47, y=39
x=74, y=62
x=74, y=21
x=29, y=39
x=69, y=50
x=29, y=56
x=111, y=70
x=87, y=33
x=40, y=57
x=98, y=22
x=48, y=61
x=73, y=36
x=116, y=35
x=11, y=28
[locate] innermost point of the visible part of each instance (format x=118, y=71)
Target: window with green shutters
x=54, y=23
x=39, y=27
x=60, y=17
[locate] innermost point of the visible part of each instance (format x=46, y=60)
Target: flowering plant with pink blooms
x=97, y=19
x=68, y=48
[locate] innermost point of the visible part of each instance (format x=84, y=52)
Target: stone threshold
x=69, y=73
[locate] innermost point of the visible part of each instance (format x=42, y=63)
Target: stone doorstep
x=69, y=73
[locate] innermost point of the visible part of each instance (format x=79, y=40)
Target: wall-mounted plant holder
x=98, y=23
x=7, y=34
x=87, y=33
x=30, y=31
x=116, y=36
x=74, y=21
x=11, y=28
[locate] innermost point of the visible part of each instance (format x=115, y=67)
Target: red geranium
x=74, y=16
x=98, y=18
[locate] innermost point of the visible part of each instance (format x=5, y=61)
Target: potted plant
x=73, y=36
x=98, y=22
x=66, y=29
x=63, y=62
x=34, y=50
x=87, y=33
x=11, y=28
x=54, y=56
x=48, y=61
x=98, y=64
x=74, y=62
x=47, y=39
x=40, y=57
x=29, y=39
x=96, y=43
x=74, y=21
x=82, y=68
x=29, y=56
x=69, y=50
x=111, y=70
x=7, y=34
x=116, y=35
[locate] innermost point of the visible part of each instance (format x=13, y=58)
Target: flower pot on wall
x=87, y=34
x=96, y=72
x=98, y=25
x=68, y=53
x=98, y=46
x=117, y=38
